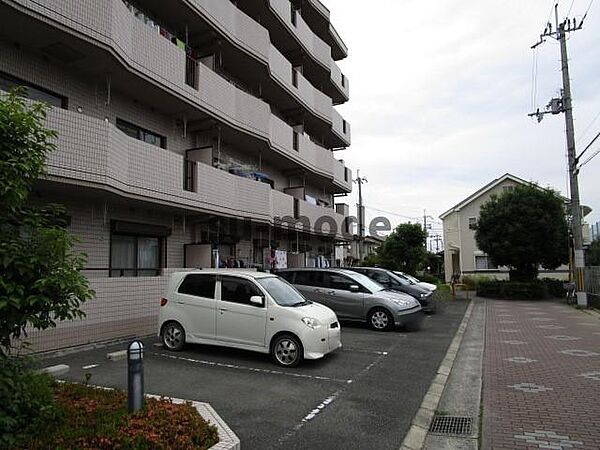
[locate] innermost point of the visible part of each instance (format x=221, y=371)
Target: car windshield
x=365, y=281
x=410, y=277
x=403, y=278
x=282, y=292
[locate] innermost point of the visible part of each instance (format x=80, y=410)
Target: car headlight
x=402, y=302
x=424, y=295
x=310, y=322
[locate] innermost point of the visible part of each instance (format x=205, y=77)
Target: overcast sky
x=440, y=93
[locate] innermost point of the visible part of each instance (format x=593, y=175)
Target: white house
x=461, y=254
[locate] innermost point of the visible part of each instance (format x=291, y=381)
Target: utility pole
x=361, y=212
x=425, y=216
x=560, y=105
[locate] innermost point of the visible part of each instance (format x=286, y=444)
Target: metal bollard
x=135, y=376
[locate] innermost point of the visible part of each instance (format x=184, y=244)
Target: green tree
x=523, y=229
x=41, y=282
x=592, y=256
x=404, y=249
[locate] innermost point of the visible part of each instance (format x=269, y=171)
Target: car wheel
x=381, y=320
x=287, y=351
x=173, y=336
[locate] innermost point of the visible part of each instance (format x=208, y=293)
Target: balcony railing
x=190, y=168
x=191, y=72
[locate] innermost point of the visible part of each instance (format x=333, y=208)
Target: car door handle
x=332, y=292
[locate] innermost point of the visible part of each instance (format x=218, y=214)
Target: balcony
x=143, y=51
x=94, y=152
x=316, y=48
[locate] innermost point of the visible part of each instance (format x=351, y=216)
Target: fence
x=592, y=285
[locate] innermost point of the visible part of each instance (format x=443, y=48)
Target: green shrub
x=472, y=281
x=429, y=278
x=512, y=290
x=26, y=399
x=98, y=419
x=555, y=287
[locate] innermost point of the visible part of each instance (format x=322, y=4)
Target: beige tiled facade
x=252, y=87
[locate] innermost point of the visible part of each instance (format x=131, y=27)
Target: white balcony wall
x=234, y=23
x=336, y=77
x=315, y=100
x=339, y=170
x=338, y=127
x=144, y=50
x=321, y=218
x=254, y=38
x=94, y=151
x=283, y=205
x=313, y=44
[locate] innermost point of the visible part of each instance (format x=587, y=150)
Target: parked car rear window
x=238, y=290
x=199, y=285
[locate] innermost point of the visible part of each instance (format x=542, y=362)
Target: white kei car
x=246, y=310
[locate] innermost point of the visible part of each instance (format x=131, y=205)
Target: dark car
x=394, y=282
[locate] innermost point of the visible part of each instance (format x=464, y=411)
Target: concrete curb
x=415, y=438
x=227, y=438
x=117, y=356
x=55, y=371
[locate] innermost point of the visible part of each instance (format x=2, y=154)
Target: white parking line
x=252, y=369
x=362, y=350
x=91, y=366
x=329, y=400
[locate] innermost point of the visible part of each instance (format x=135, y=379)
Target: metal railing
x=189, y=175
x=191, y=72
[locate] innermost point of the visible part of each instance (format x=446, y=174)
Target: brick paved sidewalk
x=541, y=385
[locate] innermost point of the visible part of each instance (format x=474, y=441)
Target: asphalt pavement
x=363, y=396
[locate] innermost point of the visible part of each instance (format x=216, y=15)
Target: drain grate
x=451, y=425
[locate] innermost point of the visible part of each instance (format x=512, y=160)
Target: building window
x=344, y=126
x=484, y=262
x=507, y=188
x=295, y=77
x=141, y=134
x=8, y=82
x=346, y=172
x=135, y=256
x=343, y=80
x=472, y=223
x=296, y=142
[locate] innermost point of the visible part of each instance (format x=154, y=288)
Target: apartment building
x=191, y=134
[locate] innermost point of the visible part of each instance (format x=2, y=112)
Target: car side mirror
x=257, y=300
x=354, y=288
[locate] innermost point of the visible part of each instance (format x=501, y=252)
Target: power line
x=590, y=158
x=582, y=135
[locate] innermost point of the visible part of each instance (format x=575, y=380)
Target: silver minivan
x=354, y=296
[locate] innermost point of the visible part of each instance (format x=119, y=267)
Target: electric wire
x=592, y=156
x=582, y=135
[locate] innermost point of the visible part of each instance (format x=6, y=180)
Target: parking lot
x=361, y=397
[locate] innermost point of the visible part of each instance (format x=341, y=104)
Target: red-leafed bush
x=90, y=418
